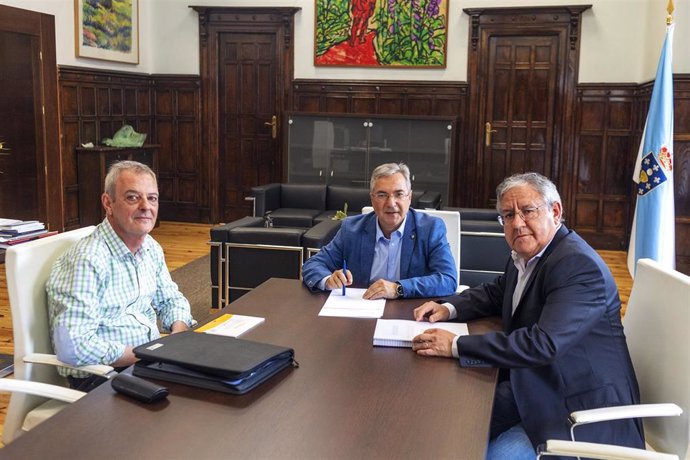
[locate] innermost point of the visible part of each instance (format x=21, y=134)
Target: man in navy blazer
x=392, y=252
x=562, y=347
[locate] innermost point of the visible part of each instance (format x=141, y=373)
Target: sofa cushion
x=272, y=236
x=294, y=217
x=320, y=234
x=221, y=233
x=305, y=196
x=356, y=198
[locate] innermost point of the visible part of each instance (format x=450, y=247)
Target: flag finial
x=669, y=9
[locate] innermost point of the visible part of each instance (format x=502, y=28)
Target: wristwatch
x=399, y=289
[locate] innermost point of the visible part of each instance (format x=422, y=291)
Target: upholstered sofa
x=245, y=253
x=305, y=205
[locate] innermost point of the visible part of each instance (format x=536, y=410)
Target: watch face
x=400, y=290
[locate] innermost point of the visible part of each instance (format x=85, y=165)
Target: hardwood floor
x=184, y=242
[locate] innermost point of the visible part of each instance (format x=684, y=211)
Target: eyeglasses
x=526, y=214
x=397, y=196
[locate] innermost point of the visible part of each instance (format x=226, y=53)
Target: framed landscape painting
x=381, y=33
x=107, y=29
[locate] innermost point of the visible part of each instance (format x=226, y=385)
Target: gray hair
x=117, y=168
x=541, y=184
x=388, y=169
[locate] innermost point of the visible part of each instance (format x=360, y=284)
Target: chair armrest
x=430, y=200
x=622, y=412
x=598, y=451
x=267, y=198
x=43, y=358
x=40, y=389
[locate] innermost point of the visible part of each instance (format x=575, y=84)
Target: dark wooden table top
x=348, y=399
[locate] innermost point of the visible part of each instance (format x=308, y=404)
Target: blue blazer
x=427, y=267
x=564, y=347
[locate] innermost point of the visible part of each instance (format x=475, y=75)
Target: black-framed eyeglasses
x=526, y=214
x=397, y=195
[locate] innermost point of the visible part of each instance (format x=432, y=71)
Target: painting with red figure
x=381, y=33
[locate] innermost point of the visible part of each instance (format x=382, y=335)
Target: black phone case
x=138, y=388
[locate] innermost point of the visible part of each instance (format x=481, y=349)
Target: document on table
x=230, y=325
x=352, y=305
x=400, y=332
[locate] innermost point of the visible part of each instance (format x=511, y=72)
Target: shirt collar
x=522, y=263
x=400, y=230
x=116, y=245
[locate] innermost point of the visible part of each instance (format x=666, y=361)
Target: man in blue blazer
x=392, y=252
x=562, y=347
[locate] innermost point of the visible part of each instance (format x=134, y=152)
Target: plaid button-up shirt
x=102, y=298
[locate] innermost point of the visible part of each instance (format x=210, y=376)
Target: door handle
x=487, y=133
x=274, y=126
x=3, y=148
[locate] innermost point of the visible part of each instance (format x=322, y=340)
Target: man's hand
x=381, y=289
x=434, y=342
x=338, y=279
x=432, y=312
x=178, y=326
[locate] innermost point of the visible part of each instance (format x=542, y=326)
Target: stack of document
x=230, y=325
x=400, y=332
x=13, y=231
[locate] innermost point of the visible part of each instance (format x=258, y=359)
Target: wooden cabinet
x=92, y=166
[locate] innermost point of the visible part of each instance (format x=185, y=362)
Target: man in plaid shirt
x=106, y=292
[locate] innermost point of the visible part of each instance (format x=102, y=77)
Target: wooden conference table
x=348, y=399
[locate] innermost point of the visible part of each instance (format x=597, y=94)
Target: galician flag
x=653, y=229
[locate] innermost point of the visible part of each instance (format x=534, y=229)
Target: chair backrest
x=484, y=256
x=28, y=266
x=657, y=327
x=451, y=219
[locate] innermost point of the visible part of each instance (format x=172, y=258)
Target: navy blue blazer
x=427, y=267
x=564, y=347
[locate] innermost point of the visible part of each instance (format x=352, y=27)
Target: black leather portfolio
x=211, y=361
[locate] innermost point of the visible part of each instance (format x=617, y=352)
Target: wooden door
x=246, y=65
x=519, y=113
x=30, y=182
x=249, y=142
x=20, y=159
x=522, y=73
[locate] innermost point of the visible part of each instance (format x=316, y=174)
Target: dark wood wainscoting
x=182, y=169
x=605, y=144
x=95, y=103
x=681, y=168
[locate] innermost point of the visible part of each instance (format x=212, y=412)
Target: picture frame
x=107, y=30
x=381, y=33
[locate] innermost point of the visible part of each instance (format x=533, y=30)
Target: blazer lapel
x=408, y=241
x=366, y=256
x=511, y=283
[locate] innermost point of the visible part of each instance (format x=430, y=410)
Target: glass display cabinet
x=344, y=149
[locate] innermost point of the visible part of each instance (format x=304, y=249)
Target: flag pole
x=669, y=9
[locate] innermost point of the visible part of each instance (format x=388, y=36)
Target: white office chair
x=656, y=323
x=28, y=266
x=452, y=221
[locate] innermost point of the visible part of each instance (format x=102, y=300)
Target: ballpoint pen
x=344, y=273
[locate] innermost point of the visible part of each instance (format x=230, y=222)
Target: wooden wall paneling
x=600, y=179
x=681, y=169
x=183, y=170
x=93, y=105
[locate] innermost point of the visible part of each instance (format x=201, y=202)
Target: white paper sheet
x=352, y=305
